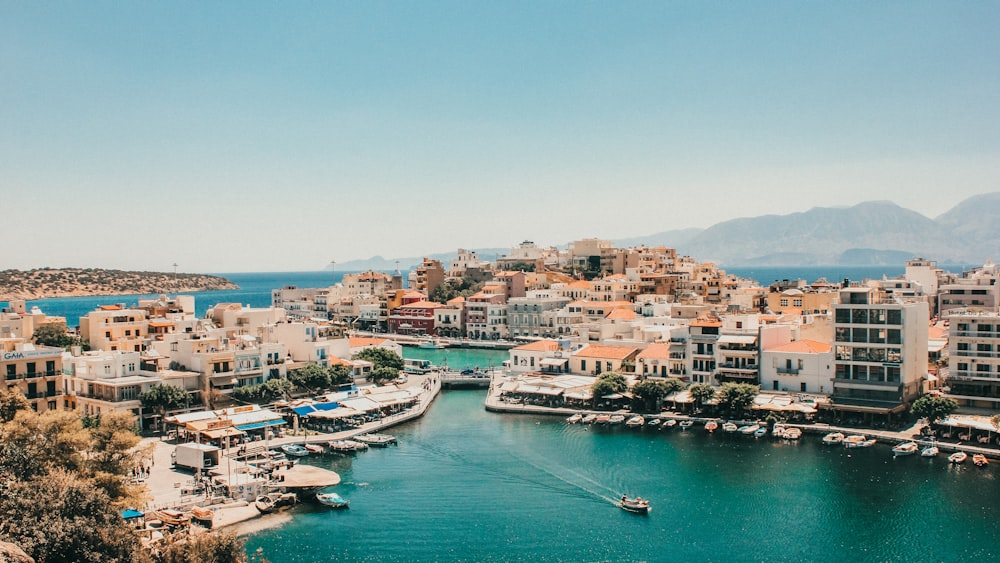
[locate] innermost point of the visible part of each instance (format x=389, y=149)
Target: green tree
x=162, y=398
x=933, y=408
x=383, y=374
x=11, y=402
x=702, y=393
x=737, y=397
x=248, y=393
x=53, y=334
x=274, y=389
x=312, y=377
x=380, y=357
x=648, y=393
x=340, y=374
x=608, y=383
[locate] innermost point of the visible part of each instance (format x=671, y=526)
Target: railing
x=35, y=375
x=789, y=371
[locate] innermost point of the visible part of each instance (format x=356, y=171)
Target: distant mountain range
x=868, y=234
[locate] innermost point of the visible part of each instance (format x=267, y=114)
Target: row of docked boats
x=359, y=443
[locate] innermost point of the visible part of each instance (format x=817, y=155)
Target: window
x=844, y=316
x=797, y=302
x=894, y=317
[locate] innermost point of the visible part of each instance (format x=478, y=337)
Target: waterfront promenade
x=494, y=403
x=171, y=487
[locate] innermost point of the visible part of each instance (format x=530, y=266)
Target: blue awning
x=306, y=410
x=131, y=514
x=265, y=424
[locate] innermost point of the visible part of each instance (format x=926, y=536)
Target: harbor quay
x=170, y=486
x=495, y=402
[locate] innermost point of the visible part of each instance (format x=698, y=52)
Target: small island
x=76, y=282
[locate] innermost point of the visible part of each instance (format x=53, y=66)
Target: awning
x=579, y=395
x=219, y=433
x=613, y=396
x=930, y=377
x=553, y=362
x=131, y=514
x=737, y=339
x=265, y=424
x=342, y=412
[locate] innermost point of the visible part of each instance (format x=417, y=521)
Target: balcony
x=33, y=375
x=788, y=371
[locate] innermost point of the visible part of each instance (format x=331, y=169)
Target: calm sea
x=255, y=288
x=468, y=485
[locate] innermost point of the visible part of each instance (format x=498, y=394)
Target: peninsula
x=77, y=282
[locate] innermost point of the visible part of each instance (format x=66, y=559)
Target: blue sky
x=250, y=136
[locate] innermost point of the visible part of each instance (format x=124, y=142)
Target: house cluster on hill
x=871, y=346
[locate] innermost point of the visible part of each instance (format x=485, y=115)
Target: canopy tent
x=553, y=362
x=256, y=425
x=969, y=421
x=579, y=395
x=342, y=412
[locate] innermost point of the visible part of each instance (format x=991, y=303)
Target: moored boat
x=273, y=501
x=748, y=429
x=654, y=423
x=792, y=433
x=833, y=438
x=637, y=505
x=929, y=451
x=202, y=515
x=575, y=418
x=906, y=448
x=685, y=424
x=711, y=426
x=314, y=449
x=853, y=441
x=346, y=446
x=669, y=423
x=295, y=450
x=980, y=460
x=333, y=500
x=602, y=419
x=172, y=517
x=589, y=419
x=635, y=421
x=730, y=427
x=867, y=443
x=376, y=440
x=760, y=432
x=616, y=419
x=958, y=457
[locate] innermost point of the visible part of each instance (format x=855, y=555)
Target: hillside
x=75, y=282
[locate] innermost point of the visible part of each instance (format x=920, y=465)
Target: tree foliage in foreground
x=648, y=393
x=737, y=397
x=933, y=408
x=702, y=393
x=380, y=357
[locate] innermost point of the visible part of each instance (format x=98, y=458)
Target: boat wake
x=563, y=474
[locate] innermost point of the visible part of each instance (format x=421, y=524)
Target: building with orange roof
x=595, y=359
x=416, y=317
x=546, y=356
x=115, y=328
x=359, y=343
x=449, y=320
x=428, y=276
x=798, y=366
x=486, y=316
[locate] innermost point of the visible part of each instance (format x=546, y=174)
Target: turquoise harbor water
x=468, y=485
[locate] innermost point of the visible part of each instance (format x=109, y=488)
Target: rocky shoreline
x=79, y=282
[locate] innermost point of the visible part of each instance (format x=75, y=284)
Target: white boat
x=574, y=418
x=635, y=421
x=730, y=427
x=590, y=418
x=333, y=500
x=867, y=443
x=273, y=501
x=833, y=438
x=431, y=344
x=654, y=423
x=685, y=424
x=670, y=423
x=616, y=419
x=929, y=451
x=376, y=440
x=792, y=433
x=295, y=450
x=346, y=446
x=314, y=449
x=854, y=440
x=958, y=457
x=906, y=448
x=748, y=429
x=637, y=505
x=778, y=431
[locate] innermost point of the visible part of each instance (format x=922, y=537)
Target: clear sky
x=252, y=136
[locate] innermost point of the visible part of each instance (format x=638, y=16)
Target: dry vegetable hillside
x=75, y=282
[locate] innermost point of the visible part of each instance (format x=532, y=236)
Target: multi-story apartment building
x=794, y=365
x=701, y=348
x=449, y=320
x=486, y=316
x=100, y=382
x=428, y=276
x=738, y=351
x=414, y=318
x=974, y=358
x=37, y=371
x=113, y=327
x=880, y=349
x=526, y=316
x=798, y=297
x=976, y=288
x=594, y=359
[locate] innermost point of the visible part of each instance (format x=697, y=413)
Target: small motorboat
x=589, y=419
x=929, y=451
x=958, y=457
x=333, y=500
x=294, y=450
x=906, y=448
x=602, y=419
x=616, y=419
x=638, y=505
x=833, y=438
x=273, y=501
x=867, y=443
x=654, y=423
x=669, y=423
x=792, y=433
x=853, y=441
x=376, y=440
x=315, y=449
x=575, y=418
x=730, y=427
x=202, y=515
x=685, y=424
x=760, y=432
x=346, y=446
x=748, y=429
x=635, y=421
x=980, y=460
x=711, y=426
x=171, y=517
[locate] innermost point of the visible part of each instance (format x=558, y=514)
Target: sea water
x=465, y=484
